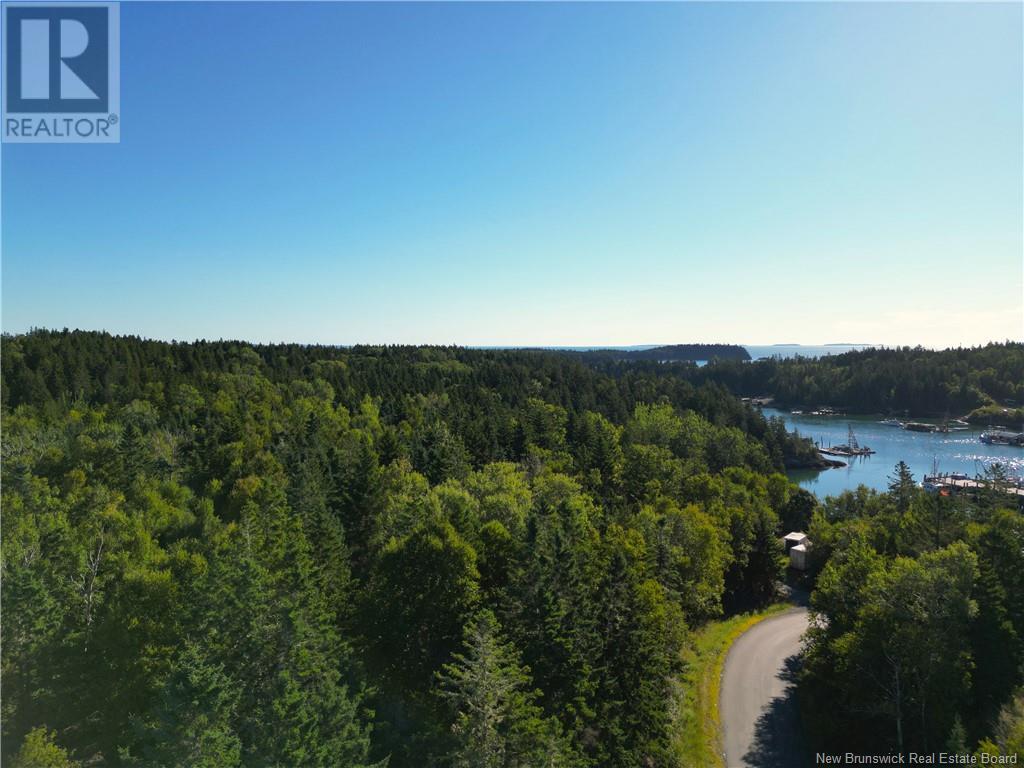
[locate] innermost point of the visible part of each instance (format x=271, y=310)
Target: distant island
x=671, y=353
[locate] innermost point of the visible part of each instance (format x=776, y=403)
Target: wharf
x=953, y=483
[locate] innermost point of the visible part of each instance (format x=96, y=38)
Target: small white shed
x=797, y=545
x=798, y=557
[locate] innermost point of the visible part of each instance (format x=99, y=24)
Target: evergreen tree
x=641, y=638
x=194, y=720
x=902, y=487
x=498, y=723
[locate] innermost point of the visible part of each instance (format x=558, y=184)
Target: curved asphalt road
x=760, y=721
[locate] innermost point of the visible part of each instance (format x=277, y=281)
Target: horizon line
x=500, y=346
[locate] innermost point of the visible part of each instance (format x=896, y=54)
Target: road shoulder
x=698, y=737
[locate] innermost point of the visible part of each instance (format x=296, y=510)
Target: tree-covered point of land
x=670, y=352
x=916, y=381
x=224, y=554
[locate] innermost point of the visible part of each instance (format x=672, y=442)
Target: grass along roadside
x=697, y=736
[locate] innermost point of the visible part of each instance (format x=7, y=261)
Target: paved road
x=760, y=722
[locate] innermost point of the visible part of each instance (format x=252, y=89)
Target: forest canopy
x=227, y=554
x=219, y=553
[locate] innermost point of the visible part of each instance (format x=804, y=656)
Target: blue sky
x=538, y=174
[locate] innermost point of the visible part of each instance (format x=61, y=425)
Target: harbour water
x=801, y=350
x=960, y=451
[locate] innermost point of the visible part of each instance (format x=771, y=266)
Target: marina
x=959, y=450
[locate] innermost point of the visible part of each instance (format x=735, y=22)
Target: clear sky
x=538, y=174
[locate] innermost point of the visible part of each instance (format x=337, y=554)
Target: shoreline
x=977, y=422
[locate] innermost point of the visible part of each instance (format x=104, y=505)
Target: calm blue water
x=953, y=452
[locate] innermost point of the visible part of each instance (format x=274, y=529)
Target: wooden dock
x=958, y=483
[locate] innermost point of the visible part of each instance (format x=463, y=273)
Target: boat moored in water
x=1003, y=437
x=919, y=426
x=851, y=448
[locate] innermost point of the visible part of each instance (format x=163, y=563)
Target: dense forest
x=222, y=554
x=912, y=381
x=671, y=352
x=225, y=554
